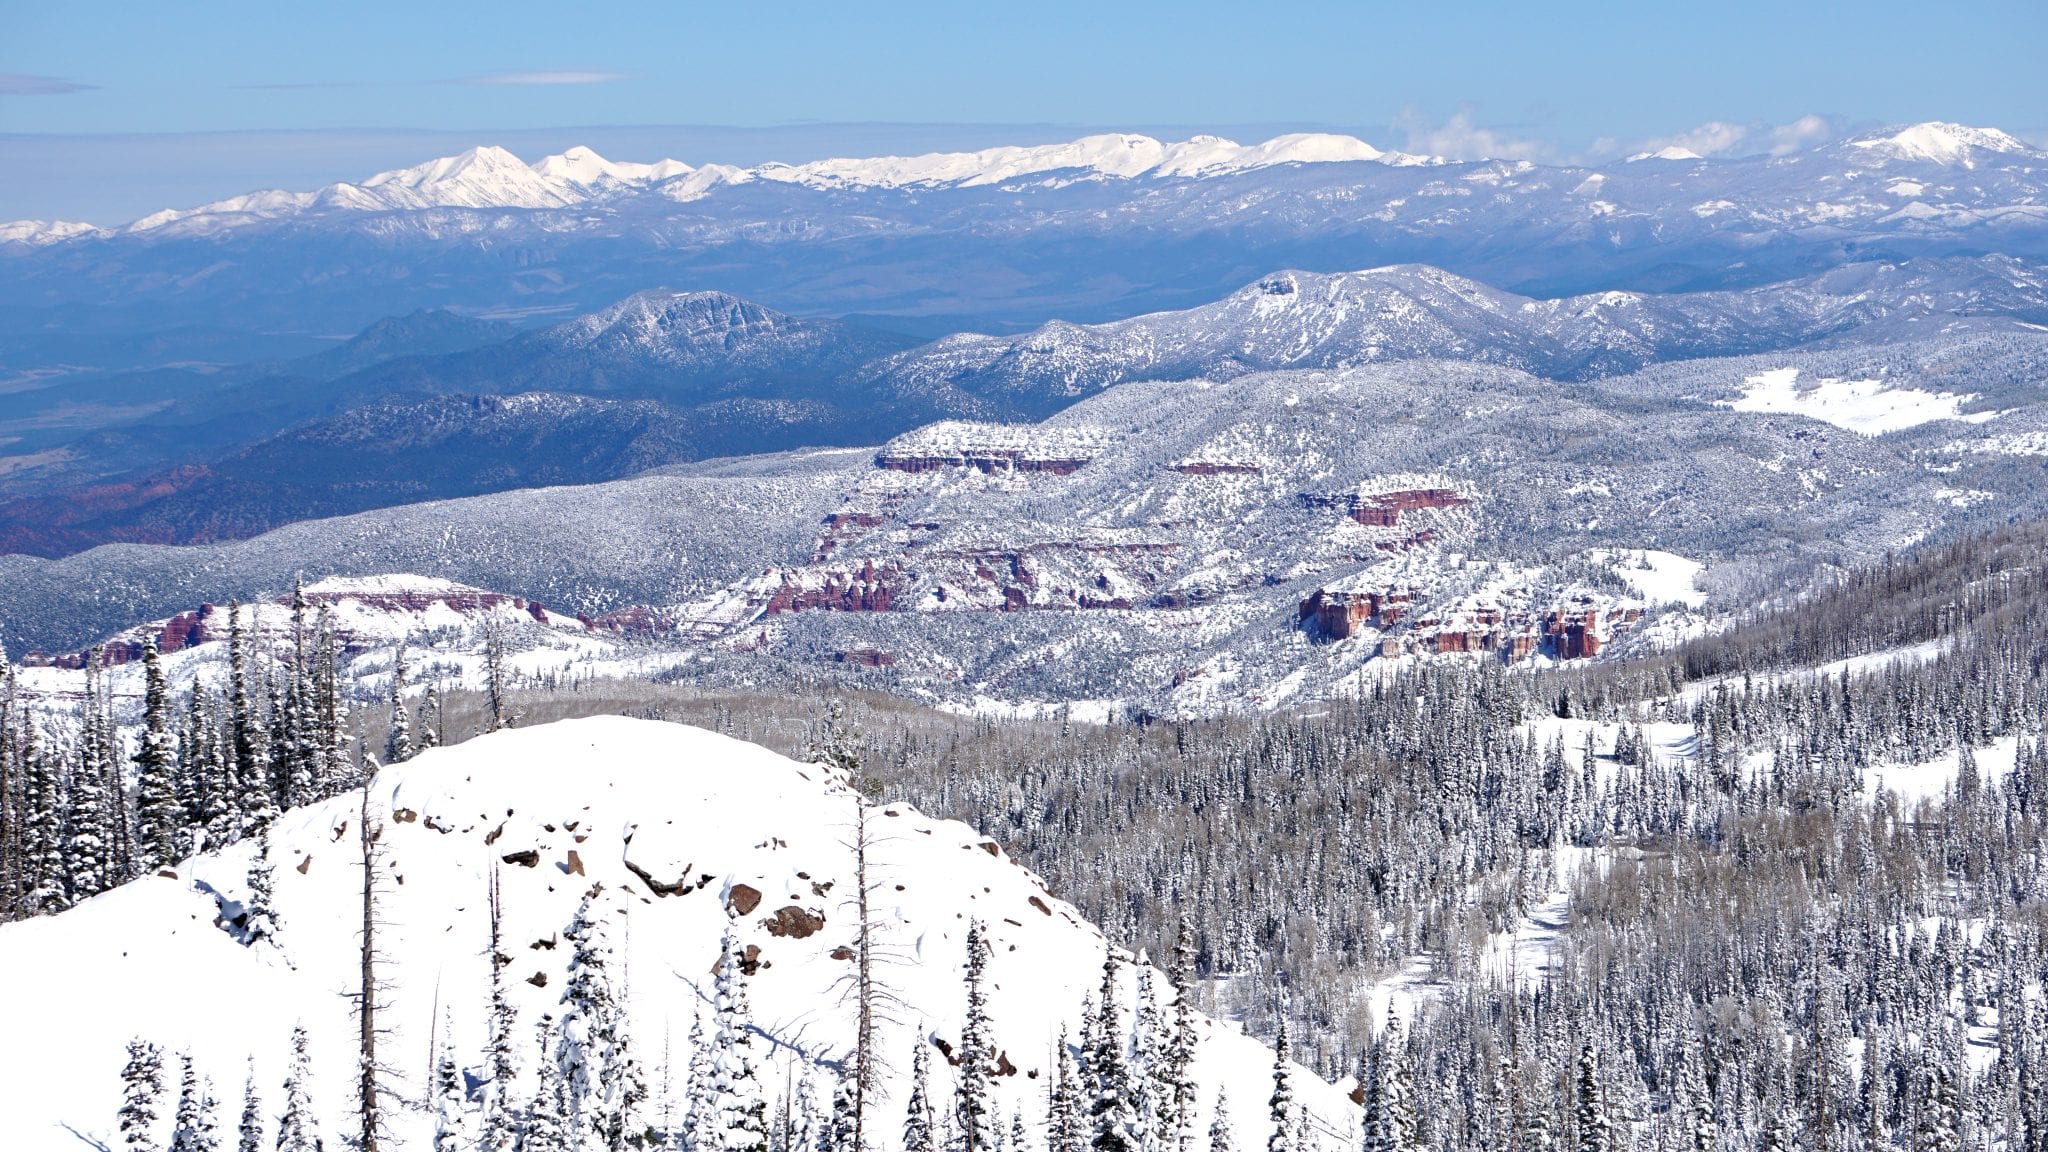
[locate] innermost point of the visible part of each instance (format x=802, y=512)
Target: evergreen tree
x=839, y=1128
x=261, y=919
x=297, y=1130
x=1151, y=1080
x=1064, y=1127
x=1113, y=1124
x=159, y=809
x=251, y=759
x=700, y=1116
x=451, y=1100
x=427, y=733
x=43, y=853
x=974, y=1100
x=1219, y=1128
x=741, y=1114
x=90, y=864
x=398, y=746
x=546, y=1125
x=193, y=1126
x=807, y=1127
x=1180, y=1049
x=142, y=1087
x=249, y=1133
x=601, y=1083
x=500, y=1122
x=917, y=1113
x=1280, y=1106
x=1594, y=1135
x=1390, y=1095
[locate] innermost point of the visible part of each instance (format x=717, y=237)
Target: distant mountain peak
x=1938, y=142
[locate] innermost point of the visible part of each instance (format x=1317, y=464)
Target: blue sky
x=1549, y=81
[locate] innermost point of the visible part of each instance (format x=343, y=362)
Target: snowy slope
x=598, y=801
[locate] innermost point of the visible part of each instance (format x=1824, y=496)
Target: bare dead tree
x=370, y=1090
x=875, y=1002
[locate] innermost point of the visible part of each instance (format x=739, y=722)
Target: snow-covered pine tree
x=1112, y=1123
x=1280, y=1106
x=1390, y=1095
x=1594, y=1135
x=737, y=1103
x=262, y=922
x=1219, y=1127
x=219, y=815
x=193, y=1128
x=838, y=1135
x=806, y=1125
x=974, y=1097
x=297, y=1129
x=917, y=1111
x=89, y=850
x=142, y=1088
x=330, y=709
x=398, y=745
x=427, y=732
x=251, y=759
x=1180, y=1047
x=451, y=1100
x=1017, y=1137
x=601, y=1085
x=700, y=1119
x=42, y=829
x=1064, y=1127
x=159, y=809
x=495, y=683
x=545, y=1127
x=1151, y=1087
x=249, y=1133
x=1698, y=1102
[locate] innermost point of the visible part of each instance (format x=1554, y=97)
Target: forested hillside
x=1781, y=884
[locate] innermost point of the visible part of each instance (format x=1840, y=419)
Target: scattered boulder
x=794, y=922
x=527, y=859
x=743, y=898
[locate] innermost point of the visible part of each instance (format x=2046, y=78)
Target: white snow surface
x=595, y=799
x=1657, y=577
x=1866, y=407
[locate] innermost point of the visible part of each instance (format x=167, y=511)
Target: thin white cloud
x=544, y=78
x=1725, y=138
x=24, y=84
x=1803, y=133
x=1459, y=138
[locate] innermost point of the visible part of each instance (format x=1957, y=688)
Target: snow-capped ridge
x=1938, y=142
x=1668, y=152
x=39, y=232
x=491, y=177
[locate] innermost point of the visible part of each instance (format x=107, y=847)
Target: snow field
x=581, y=806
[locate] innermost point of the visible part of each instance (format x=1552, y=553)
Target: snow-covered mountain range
x=652, y=830
x=1099, y=228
